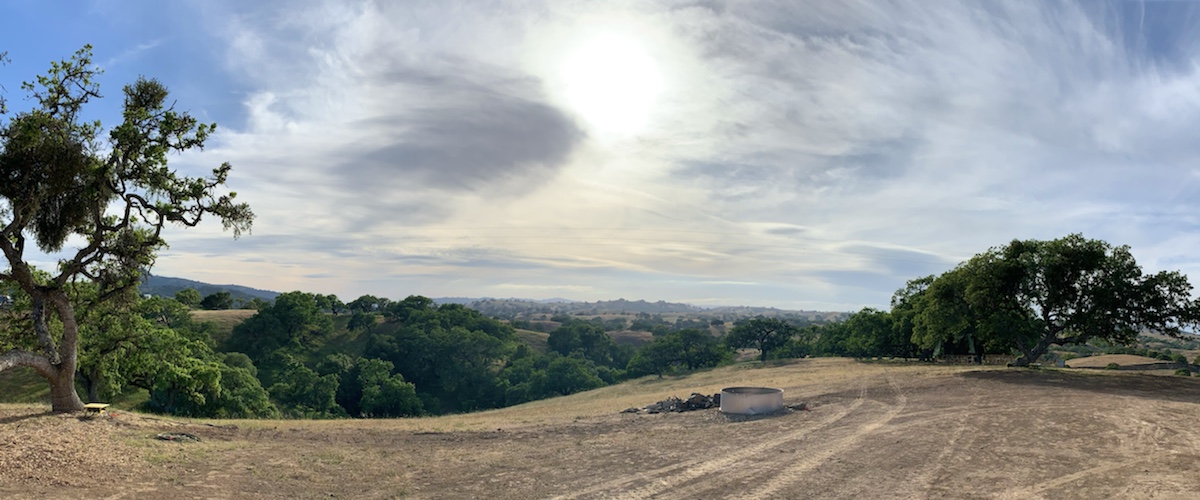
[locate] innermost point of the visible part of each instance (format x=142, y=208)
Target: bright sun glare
x=612, y=83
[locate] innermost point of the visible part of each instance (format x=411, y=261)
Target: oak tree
x=1031, y=294
x=111, y=197
x=764, y=334
x=189, y=297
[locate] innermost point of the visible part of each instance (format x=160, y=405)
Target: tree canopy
x=59, y=180
x=189, y=297
x=586, y=338
x=1031, y=294
x=690, y=349
x=764, y=334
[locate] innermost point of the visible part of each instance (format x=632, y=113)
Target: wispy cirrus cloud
x=824, y=151
x=130, y=53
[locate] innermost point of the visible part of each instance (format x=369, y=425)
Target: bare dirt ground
x=873, y=431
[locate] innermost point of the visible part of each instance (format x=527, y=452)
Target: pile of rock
x=178, y=436
x=697, y=401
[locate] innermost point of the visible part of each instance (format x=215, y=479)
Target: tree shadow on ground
x=18, y=418
x=1161, y=387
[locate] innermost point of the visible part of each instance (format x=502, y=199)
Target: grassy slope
x=224, y=320
x=23, y=385
x=1103, y=360
x=796, y=377
x=631, y=337
x=535, y=340
x=891, y=413
x=799, y=378
x=348, y=342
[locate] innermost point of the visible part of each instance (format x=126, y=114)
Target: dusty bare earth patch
x=874, y=431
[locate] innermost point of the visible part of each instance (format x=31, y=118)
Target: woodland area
x=312, y=356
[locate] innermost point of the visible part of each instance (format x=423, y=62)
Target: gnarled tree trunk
x=55, y=363
x=63, y=397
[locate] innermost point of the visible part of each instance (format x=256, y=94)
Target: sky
x=802, y=155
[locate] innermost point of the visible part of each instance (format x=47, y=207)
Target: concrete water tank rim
x=752, y=390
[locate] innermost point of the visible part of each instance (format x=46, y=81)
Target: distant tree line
x=312, y=356
x=1021, y=298
x=307, y=356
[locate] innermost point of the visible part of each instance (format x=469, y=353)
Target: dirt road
x=879, y=432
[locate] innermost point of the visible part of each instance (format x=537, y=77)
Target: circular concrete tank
x=751, y=400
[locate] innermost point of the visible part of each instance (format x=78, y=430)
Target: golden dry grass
x=631, y=337
x=534, y=339
x=794, y=376
x=225, y=319
x=1120, y=359
x=921, y=430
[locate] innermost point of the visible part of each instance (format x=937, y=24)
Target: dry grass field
x=631, y=337
x=536, y=340
x=1121, y=359
x=224, y=319
x=873, y=430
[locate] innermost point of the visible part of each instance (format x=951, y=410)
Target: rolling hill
x=164, y=286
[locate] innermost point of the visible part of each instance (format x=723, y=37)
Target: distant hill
x=453, y=300
x=164, y=286
x=516, y=308
x=771, y=312
x=469, y=300
x=528, y=309
x=521, y=307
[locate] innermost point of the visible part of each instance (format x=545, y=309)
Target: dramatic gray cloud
x=477, y=143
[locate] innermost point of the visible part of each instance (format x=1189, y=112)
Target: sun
x=612, y=83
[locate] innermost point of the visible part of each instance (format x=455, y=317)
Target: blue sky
x=807, y=155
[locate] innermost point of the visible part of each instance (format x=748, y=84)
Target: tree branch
x=13, y=359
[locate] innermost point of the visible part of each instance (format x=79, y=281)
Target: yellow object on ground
x=96, y=408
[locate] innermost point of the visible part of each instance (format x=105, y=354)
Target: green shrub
x=1183, y=372
x=1112, y=366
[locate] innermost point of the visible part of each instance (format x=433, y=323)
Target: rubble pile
x=697, y=401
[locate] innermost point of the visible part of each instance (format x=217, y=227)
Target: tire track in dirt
x=138, y=490
x=954, y=413
x=927, y=479
x=796, y=470
x=743, y=472
x=1033, y=491
x=663, y=479
x=764, y=464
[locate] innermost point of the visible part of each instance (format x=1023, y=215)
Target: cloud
x=363, y=127
x=521, y=287
x=824, y=151
x=899, y=262
x=130, y=53
x=481, y=139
